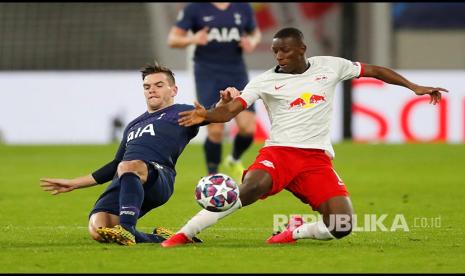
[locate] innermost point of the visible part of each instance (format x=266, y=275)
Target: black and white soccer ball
x=217, y=192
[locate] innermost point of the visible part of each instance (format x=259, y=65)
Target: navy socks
x=240, y=145
x=130, y=200
x=212, y=155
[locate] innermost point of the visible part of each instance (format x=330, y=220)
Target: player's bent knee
x=342, y=225
x=341, y=233
x=251, y=191
x=101, y=219
x=138, y=167
x=133, y=165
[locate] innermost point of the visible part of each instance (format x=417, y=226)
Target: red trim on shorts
x=243, y=102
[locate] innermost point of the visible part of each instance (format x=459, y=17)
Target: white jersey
x=300, y=105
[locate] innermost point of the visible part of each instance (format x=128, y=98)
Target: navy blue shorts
x=209, y=81
x=157, y=190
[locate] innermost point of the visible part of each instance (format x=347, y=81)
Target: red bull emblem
x=307, y=100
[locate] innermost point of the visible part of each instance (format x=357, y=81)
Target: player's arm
x=220, y=114
x=249, y=42
x=62, y=185
x=179, y=38
x=389, y=76
x=102, y=175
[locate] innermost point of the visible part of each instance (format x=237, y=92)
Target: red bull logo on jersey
x=307, y=100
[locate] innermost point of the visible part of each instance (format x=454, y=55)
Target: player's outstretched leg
x=337, y=223
x=256, y=184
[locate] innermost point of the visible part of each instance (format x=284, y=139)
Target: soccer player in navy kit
x=143, y=170
x=222, y=33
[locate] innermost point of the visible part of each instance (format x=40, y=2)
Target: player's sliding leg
x=132, y=175
x=256, y=183
x=130, y=199
x=131, y=195
x=200, y=221
x=337, y=223
x=104, y=227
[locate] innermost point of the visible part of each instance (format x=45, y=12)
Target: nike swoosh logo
x=279, y=87
x=208, y=18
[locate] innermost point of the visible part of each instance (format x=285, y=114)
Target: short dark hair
x=157, y=68
x=290, y=32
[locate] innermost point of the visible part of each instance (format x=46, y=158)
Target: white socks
x=315, y=230
x=204, y=219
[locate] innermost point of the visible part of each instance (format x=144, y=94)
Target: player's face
x=159, y=92
x=289, y=53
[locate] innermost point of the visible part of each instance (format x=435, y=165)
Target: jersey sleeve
x=251, y=22
x=185, y=19
x=106, y=172
x=348, y=69
x=250, y=94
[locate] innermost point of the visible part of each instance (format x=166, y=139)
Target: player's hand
x=192, y=117
x=433, y=92
x=246, y=45
x=57, y=185
x=228, y=95
x=201, y=37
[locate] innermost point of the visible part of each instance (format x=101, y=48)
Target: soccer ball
x=217, y=192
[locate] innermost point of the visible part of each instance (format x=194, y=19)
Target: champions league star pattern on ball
x=216, y=192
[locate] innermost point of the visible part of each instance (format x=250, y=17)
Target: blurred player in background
x=143, y=170
x=223, y=32
x=297, y=157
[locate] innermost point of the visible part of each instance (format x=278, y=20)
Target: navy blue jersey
x=225, y=30
x=156, y=137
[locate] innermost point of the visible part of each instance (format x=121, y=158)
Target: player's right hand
x=56, y=185
x=192, y=117
x=201, y=37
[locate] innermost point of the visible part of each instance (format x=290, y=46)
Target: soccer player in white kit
x=298, y=95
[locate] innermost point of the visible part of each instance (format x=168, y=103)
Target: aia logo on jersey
x=307, y=100
x=140, y=131
x=224, y=34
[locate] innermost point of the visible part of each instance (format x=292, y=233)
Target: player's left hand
x=57, y=185
x=433, y=92
x=246, y=45
x=192, y=117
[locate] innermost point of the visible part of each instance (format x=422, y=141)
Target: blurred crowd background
x=120, y=36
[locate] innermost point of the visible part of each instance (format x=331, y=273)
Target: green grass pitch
x=423, y=183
